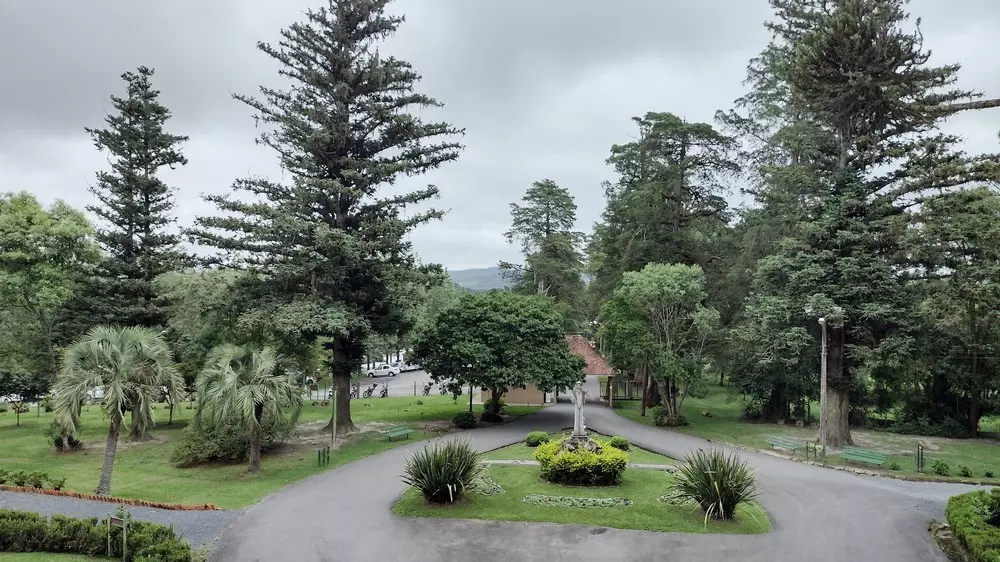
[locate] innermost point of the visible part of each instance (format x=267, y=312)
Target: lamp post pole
x=822, y=387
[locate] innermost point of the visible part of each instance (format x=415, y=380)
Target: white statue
x=579, y=395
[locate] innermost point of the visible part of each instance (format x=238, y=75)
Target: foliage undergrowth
x=717, y=482
x=443, y=472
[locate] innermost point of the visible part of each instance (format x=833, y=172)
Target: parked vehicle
x=383, y=370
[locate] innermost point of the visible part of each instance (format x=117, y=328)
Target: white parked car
x=383, y=370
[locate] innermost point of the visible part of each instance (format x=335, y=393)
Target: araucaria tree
x=327, y=248
x=243, y=385
x=133, y=365
x=543, y=227
x=658, y=326
x=135, y=204
x=498, y=341
x=856, y=108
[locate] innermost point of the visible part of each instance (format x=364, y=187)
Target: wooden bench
x=784, y=443
x=397, y=431
x=863, y=455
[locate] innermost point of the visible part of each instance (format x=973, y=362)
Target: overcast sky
x=542, y=87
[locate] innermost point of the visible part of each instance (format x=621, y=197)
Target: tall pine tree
x=328, y=248
x=135, y=205
x=543, y=226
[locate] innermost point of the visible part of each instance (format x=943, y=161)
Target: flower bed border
x=108, y=499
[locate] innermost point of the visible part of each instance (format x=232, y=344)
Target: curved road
x=818, y=514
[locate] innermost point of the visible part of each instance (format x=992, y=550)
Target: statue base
x=578, y=442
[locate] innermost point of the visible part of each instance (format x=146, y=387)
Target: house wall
x=530, y=396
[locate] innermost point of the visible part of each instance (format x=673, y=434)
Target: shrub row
x=581, y=467
x=967, y=514
x=147, y=542
x=205, y=442
x=31, y=479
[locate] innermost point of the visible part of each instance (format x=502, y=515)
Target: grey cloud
x=542, y=88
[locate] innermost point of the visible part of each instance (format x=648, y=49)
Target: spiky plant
x=132, y=364
x=245, y=384
x=442, y=473
x=717, y=482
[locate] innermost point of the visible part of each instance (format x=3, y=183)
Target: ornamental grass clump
x=717, y=482
x=443, y=473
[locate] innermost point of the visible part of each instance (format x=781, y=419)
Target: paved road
x=402, y=384
x=818, y=514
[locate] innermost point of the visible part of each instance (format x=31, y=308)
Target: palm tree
x=132, y=364
x=241, y=385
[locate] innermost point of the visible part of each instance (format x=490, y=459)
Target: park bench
x=784, y=443
x=863, y=455
x=397, y=431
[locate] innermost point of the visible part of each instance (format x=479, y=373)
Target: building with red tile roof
x=596, y=364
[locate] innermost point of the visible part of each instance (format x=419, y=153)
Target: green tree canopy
x=499, y=340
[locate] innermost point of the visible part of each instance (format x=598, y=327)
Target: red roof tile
x=596, y=364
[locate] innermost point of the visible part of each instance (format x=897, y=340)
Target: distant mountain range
x=478, y=279
x=485, y=278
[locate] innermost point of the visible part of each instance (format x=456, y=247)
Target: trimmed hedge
x=22, y=531
x=536, y=438
x=965, y=516
x=581, y=467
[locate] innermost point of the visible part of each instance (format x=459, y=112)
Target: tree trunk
x=137, y=433
x=645, y=392
x=104, y=486
x=345, y=356
x=838, y=404
x=974, y=415
x=495, y=402
x=170, y=421
x=258, y=413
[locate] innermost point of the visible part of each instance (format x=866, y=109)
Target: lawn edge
x=109, y=499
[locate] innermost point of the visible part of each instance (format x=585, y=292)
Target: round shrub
x=443, y=473
x=619, y=443
x=717, y=482
x=581, y=467
x=536, y=438
x=964, y=471
x=464, y=420
x=940, y=468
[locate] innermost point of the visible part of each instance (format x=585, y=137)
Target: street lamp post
x=822, y=388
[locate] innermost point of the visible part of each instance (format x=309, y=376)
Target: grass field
x=143, y=470
x=643, y=487
x=726, y=426
x=522, y=452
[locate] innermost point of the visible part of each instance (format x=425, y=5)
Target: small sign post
x=123, y=525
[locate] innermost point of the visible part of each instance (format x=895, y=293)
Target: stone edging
x=108, y=499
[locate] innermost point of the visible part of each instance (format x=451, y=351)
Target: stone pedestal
x=577, y=442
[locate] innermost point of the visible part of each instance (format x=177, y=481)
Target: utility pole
x=822, y=387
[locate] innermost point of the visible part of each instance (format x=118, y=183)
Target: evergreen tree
x=136, y=205
x=861, y=105
x=327, y=250
x=543, y=226
x=667, y=204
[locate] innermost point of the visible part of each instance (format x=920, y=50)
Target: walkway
x=819, y=514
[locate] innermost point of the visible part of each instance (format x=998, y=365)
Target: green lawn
x=522, y=452
x=643, y=487
x=726, y=426
x=143, y=471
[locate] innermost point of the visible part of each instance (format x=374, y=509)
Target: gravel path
x=818, y=514
x=198, y=527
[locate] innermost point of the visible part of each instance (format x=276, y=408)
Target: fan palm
x=132, y=364
x=244, y=384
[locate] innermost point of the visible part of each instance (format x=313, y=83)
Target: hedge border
x=108, y=499
x=979, y=537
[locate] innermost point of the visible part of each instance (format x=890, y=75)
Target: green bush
x=464, y=420
x=57, y=483
x=966, y=517
x=204, y=442
x=36, y=479
x=19, y=478
x=489, y=402
x=717, y=482
x=147, y=542
x=47, y=404
x=442, y=473
x=940, y=468
x=661, y=419
x=988, y=474
x=619, y=443
x=3, y=408
x=53, y=434
x=581, y=467
x=4, y=476
x=893, y=465
x=536, y=438
x=964, y=471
